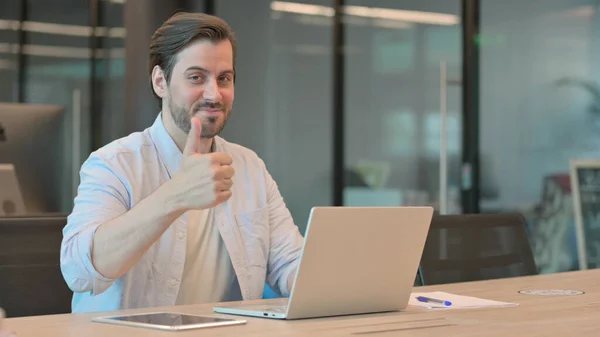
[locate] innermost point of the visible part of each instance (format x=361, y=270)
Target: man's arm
x=285, y=241
x=291, y=280
x=119, y=243
x=98, y=244
x=104, y=238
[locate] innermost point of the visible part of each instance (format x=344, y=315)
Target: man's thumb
x=193, y=139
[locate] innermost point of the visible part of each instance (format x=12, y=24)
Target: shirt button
x=173, y=282
x=181, y=235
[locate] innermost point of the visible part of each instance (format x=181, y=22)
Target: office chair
x=419, y=278
x=461, y=248
x=31, y=282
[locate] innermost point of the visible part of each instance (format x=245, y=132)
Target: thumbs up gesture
x=203, y=180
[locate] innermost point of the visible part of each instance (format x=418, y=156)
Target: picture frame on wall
x=585, y=182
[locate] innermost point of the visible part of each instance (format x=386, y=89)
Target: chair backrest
x=419, y=278
x=472, y=247
x=31, y=282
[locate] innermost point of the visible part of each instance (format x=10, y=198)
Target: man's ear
x=159, y=82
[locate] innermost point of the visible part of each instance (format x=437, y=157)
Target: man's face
x=201, y=85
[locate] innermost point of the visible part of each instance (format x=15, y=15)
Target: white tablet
x=169, y=321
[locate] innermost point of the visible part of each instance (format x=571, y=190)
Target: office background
x=342, y=99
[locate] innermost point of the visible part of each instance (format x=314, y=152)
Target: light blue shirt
x=257, y=228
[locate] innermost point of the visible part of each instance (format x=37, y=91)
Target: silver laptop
x=11, y=198
x=355, y=260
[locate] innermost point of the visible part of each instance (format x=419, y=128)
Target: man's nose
x=211, y=91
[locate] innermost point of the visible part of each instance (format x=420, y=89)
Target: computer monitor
x=32, y=139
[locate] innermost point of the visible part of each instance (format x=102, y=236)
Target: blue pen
x=433, y=300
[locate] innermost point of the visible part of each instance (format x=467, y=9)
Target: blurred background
x=470, y=106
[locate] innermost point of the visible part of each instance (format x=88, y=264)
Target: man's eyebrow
x=197, y=68
x=227, y=72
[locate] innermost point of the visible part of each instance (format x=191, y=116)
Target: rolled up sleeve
x=101, y=197
x=285, y=240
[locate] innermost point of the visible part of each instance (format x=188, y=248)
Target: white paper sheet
x=458, y=301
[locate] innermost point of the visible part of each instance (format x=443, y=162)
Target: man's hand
x=203, y=180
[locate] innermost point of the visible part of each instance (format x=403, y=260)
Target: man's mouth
x=209, y=112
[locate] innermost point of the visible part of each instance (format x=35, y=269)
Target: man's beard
x=182, y=117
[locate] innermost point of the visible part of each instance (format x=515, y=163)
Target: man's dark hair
x=177, y=33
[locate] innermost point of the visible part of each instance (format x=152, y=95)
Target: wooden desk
x=535, y=316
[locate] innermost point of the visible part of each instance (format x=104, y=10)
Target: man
x=160, y=218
